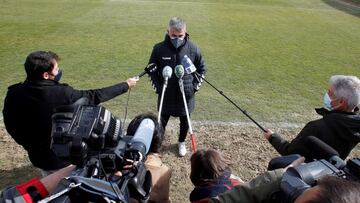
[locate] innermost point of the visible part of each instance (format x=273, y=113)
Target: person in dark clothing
x=29, y=105
x=211, y=175
x=171, y=52
x=339, y=127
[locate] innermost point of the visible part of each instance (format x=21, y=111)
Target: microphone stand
x=162, y=99
x=243, y=111
x=192, y=135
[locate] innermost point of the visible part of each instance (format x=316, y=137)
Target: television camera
x=300, y=178
x=91, y=138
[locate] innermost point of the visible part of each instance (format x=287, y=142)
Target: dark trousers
x=184, y=126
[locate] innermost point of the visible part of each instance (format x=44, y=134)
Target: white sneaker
x=182, y=148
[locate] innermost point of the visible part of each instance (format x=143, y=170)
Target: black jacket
x=165, y=54
x=28, y=108
x=340, y=130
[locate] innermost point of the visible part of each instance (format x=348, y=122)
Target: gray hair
x=177, y=23
x=347, y=87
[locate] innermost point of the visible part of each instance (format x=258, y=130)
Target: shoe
x=182, y=148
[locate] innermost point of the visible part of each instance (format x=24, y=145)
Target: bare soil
x=244, y=145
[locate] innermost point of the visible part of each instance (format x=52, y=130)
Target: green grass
x=272, y=58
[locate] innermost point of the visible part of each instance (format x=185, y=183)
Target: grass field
x=271, y=57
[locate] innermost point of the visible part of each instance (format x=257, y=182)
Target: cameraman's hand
x=268, y=134
x=132, y=82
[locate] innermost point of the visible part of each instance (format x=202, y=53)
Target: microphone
x=320, y=150
x=143, y=137
x=188, y=65
x=150, y=68
x=179, y=71
x=166, y=73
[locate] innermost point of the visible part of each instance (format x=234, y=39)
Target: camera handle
x=243, y=111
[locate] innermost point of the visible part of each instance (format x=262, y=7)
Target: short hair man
x=29, y=105
x=171, y=52
x=339, y=127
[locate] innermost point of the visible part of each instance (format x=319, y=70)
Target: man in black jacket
x=29, y=105
x=339, y=127
x=171, y=52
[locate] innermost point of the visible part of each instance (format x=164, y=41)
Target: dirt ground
x=244, y=145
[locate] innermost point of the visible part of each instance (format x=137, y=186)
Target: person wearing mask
x=211, y=175
x=29, y=105
x=339, y=127
x=170, y=52
x=263, y=189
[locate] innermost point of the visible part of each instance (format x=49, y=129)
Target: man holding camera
x=339, y=127
x=171, y=52
x=29, y=105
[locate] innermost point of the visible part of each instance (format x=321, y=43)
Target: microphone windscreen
x=188, y=65
x=319, y=149
x=144, y=133
x=179, y=71
x=167, y=72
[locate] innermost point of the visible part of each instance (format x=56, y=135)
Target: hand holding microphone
x=132, y=81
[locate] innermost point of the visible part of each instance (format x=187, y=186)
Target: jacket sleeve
x=296, y=146
x=258, y=190
x=20, y=193
x=155, y=77
x=200, y=69
x=97, y=96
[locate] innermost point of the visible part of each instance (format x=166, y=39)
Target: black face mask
x=177, y=42
x=58, y=76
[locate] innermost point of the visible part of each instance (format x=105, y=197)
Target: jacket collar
x=323, y=111
x=41, y=82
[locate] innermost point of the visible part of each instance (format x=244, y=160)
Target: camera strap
x=58, y=194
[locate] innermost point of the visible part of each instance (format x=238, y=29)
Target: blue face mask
x=58, y=76
x=177, y=42
x=327, y=102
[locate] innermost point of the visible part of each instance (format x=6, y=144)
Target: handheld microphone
x=143, y=136
x=166, y=73
x=150, y=68
x=321, y=150
x=188, y=65
x=179, y=71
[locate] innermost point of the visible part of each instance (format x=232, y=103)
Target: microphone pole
x=167, y=72
x=179, y=72
x=243, y=111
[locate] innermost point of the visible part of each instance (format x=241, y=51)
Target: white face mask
x=327, y=102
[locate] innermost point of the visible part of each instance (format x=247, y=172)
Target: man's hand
x=132, y=82
x=268, y=134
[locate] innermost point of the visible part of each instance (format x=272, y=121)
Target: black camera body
x=91, y=138
x=300, y=178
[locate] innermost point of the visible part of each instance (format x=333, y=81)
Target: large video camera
x=91, y=138
x=300, y=178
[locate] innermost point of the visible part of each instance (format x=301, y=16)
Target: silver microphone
x=166, y=73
